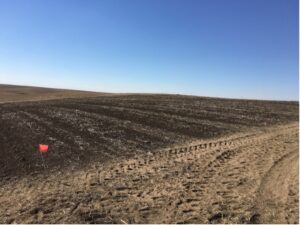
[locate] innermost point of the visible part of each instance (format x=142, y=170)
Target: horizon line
x=153, y=93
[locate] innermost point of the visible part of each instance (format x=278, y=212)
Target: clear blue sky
x=225, y=48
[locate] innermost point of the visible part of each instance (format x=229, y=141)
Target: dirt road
x=247, y=177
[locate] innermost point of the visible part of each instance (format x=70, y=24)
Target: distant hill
x=14, y=93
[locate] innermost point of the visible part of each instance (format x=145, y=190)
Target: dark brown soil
x=249, y=177
x=15, y=93
x=85, y=130
x=136, y=158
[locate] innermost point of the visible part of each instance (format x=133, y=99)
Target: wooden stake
x=43, y=161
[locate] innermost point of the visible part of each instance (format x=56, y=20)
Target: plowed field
x=149, y=159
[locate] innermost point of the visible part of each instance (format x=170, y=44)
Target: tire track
x=275, y=190
x=205, y=182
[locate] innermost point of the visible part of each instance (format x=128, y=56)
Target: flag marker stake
x=43, y=160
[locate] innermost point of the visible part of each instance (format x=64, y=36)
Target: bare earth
x=150, y=159
x=246, y=178
x=14, y=93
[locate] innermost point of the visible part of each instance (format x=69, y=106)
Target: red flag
x=43, y=148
